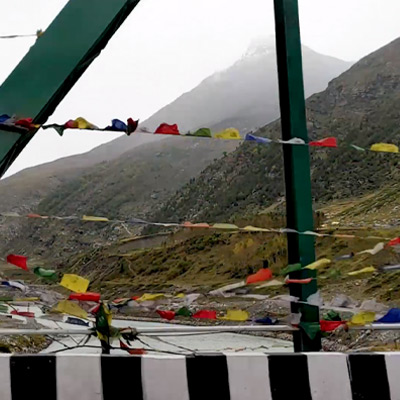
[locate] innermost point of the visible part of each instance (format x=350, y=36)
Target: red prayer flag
x=19, y=261
x=165, y=129
x=261, y=275
x=135, y=297
x=205, y=314
x=329, y=326
x=327, y=142
x=394, y=242
x=88, y=296
x=123, y=346
x=23, y=313
x=299, y=281
x=71, y=124
x=24, y=122
x=132, y=126
x=34, y=216
x=169, y=315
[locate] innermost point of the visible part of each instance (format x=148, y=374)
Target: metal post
x=297, y=163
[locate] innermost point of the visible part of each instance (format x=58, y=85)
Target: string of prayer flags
x=75, y=283
x=202, y=132
x=18, y=261
x=258, y=139
x=236, y=315
x=263, y=274
x=320, y=263
x=363, y=318
x=70, y=308
x=391, y=317
x=327, y=142
x=168, y=315
x=205, y=314
x=88, y=296
x=45, y=273
x=165, y=129
x=385, y=147
x=230, y=133
x=94, y=219
x=379, y=247
x=184, y=312
x=362, y=271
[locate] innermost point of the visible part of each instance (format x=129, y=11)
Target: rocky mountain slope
x=361, y=107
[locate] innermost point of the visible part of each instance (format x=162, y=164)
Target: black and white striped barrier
x=251, y=376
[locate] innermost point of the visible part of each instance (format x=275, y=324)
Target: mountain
x=137, y=175
x=359, y=107
x=246, y=94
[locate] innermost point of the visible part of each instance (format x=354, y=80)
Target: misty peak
x=261, y=46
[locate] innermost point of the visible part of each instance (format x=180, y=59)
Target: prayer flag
x=27, y=314
x=225, y=226
x=132, y=126
x=357, y=147
x=329, y=326
x=202, y=132
x=327, y=142
x=385, y=147
x=165, y=129
x=88, y=296
x=258, y=139
x=391, y=317
x=298, y=281
x=293, y=141
x=375, y=250
x=169, y=315
x=71, y=308
x=4, y=117
x=363, y=318
x=75, y=283
x=266, y=321
x=394, y=242
x=82, y=123
x=149, y=296
x=45, y=273
x=320, y=263
x=205, y=314
x=19, y=261
x=362, y=271
x=184, y=312
x=199, y=225
x=236, y=315
x=230, y=133
x=261, y=275
x=117, y=125
x=310, y=328
x=95, y=219
x=291, y=268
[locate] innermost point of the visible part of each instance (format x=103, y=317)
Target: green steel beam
x=299, y=212
x=55, y=63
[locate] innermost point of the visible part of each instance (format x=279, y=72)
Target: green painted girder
x=54, y=64
x=299, y=212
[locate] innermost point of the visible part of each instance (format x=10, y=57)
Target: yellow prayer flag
x=385, y=147
x=94, y=219
x=251, y=228
x=225, y=226
x=180, y=296
x=320, y=263
x=230, y=133
x=362, y=271
x=236, y=315
x=75, y=283
x=363, y=318
x=83, y=124
x=150, y=296
x=71, y=308
x=27, y=299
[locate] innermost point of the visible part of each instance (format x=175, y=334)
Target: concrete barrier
x=250, y=376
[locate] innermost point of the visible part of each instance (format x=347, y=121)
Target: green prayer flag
x=184, y=312
x=202, y=132
x=45, y=273
x=6, y=299
x=332, y=315
x=3, y=308
x=310, y=328
x=291, y=268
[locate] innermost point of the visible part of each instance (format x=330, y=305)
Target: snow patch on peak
x=261, y=46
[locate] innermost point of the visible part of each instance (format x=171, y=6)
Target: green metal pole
x=297, y=163
x=54, y=64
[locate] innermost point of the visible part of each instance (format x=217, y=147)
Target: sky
x=166, y=48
